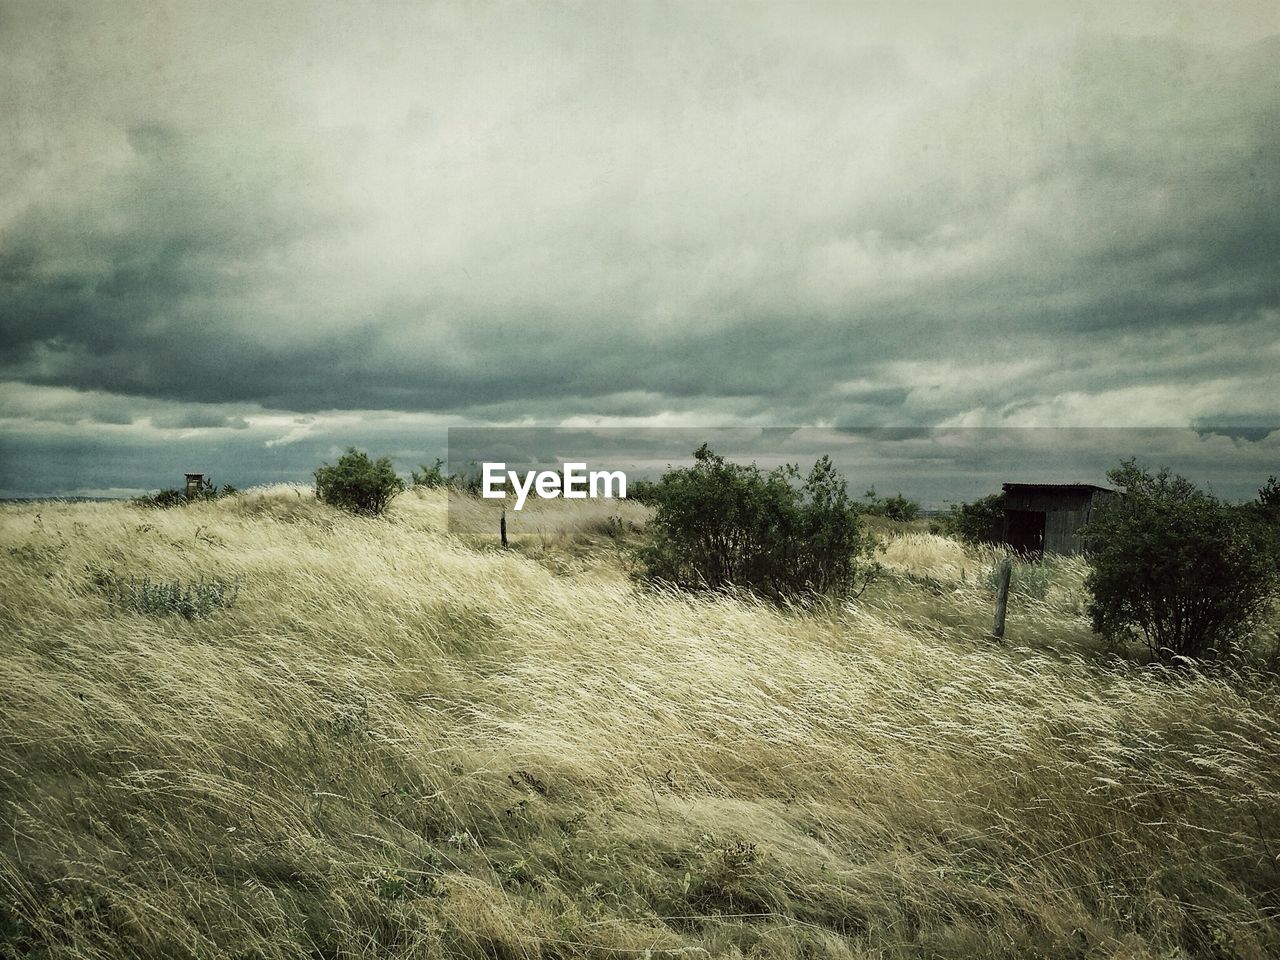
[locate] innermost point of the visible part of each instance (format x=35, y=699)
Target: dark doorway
x=1024, y=530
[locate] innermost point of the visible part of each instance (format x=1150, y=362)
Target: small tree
x=719, y=525
x=358, y=483
x=1175, y=566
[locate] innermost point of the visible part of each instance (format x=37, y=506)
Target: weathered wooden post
x=1004, y=573
x=502, y=528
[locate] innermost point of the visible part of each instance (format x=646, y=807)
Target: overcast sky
x=238, y=237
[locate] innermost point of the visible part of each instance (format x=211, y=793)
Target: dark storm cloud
x=200, y=420
x=213, y=216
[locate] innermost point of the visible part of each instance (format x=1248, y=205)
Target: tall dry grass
x=398, y=743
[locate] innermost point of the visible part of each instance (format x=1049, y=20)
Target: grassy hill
x=397, y=743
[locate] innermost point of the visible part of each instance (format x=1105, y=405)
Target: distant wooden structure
x=1042, y=518
x=195, y=483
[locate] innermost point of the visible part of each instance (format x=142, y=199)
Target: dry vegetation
x=397, y=743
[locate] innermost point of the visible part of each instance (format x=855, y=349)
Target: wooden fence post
x=502, y=528
x=1004, y=573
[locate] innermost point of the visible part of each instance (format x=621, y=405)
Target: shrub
x=896, y=507
x=1267, y=506
x=1175, y=566
x=721, y=525
x=981, y=521
x=164, y=499
x=469, y=480
x=358, y=483
x=430, y=477
x=642, y=491
x=1269, y=494
x=195, y=601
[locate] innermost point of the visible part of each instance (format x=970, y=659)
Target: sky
x=240, y=237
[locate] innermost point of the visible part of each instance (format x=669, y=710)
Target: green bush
x=358, y=483
x=981, y=521
x=194, y=601
x=164, y=499
x=468, y=481
x=1267, y=506
x=1174, y=566
x=896, y=507
x=720, y=525
x=1269, y=494
x=430, y=477
x=642, y=491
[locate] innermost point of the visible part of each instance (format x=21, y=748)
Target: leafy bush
x=430, y=477
x=195, y=601
x=469, y=480
x=358, y=483
x=642, y=491
x=1177, y=567
x=896, y=507
x=1268, y=503
x=1269, y=494
x=164, y=499
x=981, y=521
x=721, y=525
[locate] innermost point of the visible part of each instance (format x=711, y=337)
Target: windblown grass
x=398, y=743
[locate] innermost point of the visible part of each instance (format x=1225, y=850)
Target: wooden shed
x=1044, y=518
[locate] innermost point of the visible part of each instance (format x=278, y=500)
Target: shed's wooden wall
x=1064, y=512
x=1061, y=530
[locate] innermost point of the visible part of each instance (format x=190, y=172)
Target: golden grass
x=399, y=743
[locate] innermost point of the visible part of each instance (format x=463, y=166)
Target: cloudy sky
x=239, y=237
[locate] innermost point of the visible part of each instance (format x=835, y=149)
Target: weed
x=350, y=720
x=1030, y=580
x=194, y=601
x=43, y=557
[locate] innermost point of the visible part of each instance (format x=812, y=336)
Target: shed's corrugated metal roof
x=1060, y=487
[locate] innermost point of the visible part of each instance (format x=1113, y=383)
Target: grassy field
x=397, y=743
